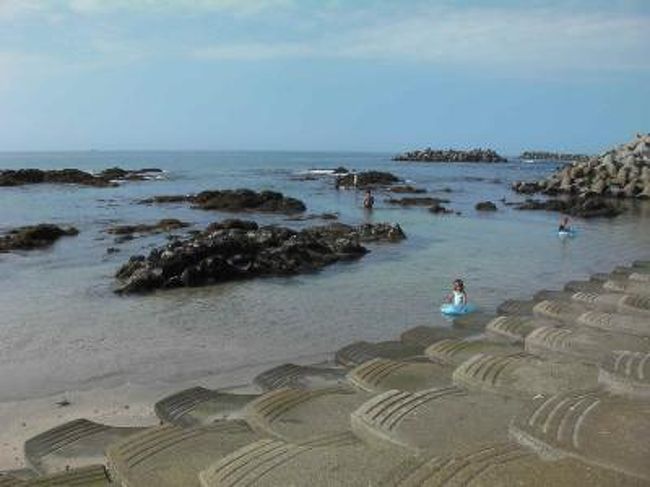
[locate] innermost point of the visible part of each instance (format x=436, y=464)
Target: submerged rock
x=164, y=225
x=34, y=237
x=406, y=189
x=451, y=155
x=485, y=206
x=108, y=177
x=237, y=249
x=235, y=200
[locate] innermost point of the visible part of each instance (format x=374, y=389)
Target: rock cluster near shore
x=622, y=172
x=107, y=177
x=128, y=232
x=237, y=249
x=34, y=237
x=367, y=179
x=451, y=155
x=235, y=200
x=552, y=391
x=553, y=156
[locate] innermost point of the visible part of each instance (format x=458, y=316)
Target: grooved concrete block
x=197, y=405
x=440, y=421
x=299, y=376
x=595, y=427
x=299, y=414
x=384, y=374
x=75, y=444
x=168, y=456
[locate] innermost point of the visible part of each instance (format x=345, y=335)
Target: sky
x=366, y=75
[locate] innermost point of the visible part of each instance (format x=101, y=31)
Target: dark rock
x=406, y=189
x=438, y=208
x=340, y=170
x=553, y=156
x=34, y=237
x=238, y=249
x=235, y=200
x=112, y=250
x=485, y=206
x=164, y=225
x=105, y=178
x=368, y=179
x=425, y=201
x=450, y=155
x=589, y=207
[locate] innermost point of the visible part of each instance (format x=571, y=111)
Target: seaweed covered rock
x=235, y=200
x=108, y=177
x=451, y=155
x=34, y=237
x=236, y=249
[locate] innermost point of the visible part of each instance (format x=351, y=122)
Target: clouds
x=466, y=34
x=504, y=39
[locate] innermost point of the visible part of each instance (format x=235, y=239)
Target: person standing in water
x=564, y=225
x=458, y=296
x=368, y=200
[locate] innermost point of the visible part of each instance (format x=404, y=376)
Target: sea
x=62, y=328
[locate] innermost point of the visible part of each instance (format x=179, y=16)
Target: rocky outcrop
x=108, y=177
x=237, y=249
x=485, y=206
x=367, y=179
x=584, y=207
x=415, y=201
x=623, y=172
x=34, y=237
x=437, y=208
x=552, y=156
x=235, y=200
x=451, y=155
x=406, y=189
x=164, y=225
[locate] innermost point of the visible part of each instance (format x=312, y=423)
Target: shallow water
x=62, y=328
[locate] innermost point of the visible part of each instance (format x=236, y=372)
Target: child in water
x=564, y=225
x=458, y=296
x=368, y=201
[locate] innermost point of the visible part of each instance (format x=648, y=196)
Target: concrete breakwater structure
x=552, y=390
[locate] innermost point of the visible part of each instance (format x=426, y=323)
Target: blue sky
x=323, y=75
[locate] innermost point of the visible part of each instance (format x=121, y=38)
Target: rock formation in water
x=367, y=179
x=235, y=200
x=622, y=172
x=451, y=155
x=485, y=206
x=164, y=225
x=34, y=237
x=108, y=177
x=553, y=156
x=236, y=249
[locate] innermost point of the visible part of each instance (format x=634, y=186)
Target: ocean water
x=62, y=328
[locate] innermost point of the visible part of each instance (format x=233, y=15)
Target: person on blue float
x=458, y=297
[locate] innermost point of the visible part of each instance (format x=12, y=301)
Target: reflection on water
x=61, y=327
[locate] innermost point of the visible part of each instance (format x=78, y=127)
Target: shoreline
x=129, y=405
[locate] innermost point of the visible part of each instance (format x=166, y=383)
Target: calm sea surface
x=62, y=328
